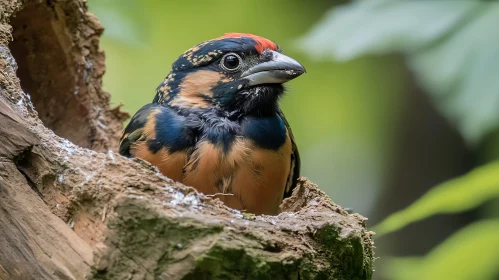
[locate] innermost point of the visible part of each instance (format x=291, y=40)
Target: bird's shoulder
x=135, y=129
x=159, y=126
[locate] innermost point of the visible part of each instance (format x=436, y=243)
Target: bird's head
x=234, y=74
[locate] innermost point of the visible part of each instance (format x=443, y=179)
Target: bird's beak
x=276, y=71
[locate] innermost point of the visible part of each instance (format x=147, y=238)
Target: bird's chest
x=246, y=164
x=264, y=132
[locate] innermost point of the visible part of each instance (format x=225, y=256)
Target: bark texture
x=72, y=208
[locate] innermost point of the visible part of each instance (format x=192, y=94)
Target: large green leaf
x=460, y=194
x=462, y=73
x=380, y=26
x=471, y=253
x=451, y=47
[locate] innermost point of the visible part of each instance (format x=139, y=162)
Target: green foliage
x=471, y=253
x=460, y=194
x=451, y=47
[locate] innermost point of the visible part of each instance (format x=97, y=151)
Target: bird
x=215, y=123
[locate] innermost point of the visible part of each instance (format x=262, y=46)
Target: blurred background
x=396, y=118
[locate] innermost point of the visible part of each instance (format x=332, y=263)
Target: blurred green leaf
x=374, y=27
x=470, y=253
x=119, y=25
x=451, y=46
x=461, y=72
x=460, y=194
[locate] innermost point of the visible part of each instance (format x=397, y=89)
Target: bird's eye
x=231, y=62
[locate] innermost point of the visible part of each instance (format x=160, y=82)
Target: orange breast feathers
x=245, y=177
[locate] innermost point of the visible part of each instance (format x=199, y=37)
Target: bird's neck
x=213, y=114
x=258, y=102
x=262, y=110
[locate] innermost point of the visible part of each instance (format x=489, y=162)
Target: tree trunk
x=75, y=209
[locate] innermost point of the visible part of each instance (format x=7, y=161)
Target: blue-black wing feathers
x=135, y=129
x=294, y=172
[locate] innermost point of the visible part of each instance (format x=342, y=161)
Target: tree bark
x=72, y=208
